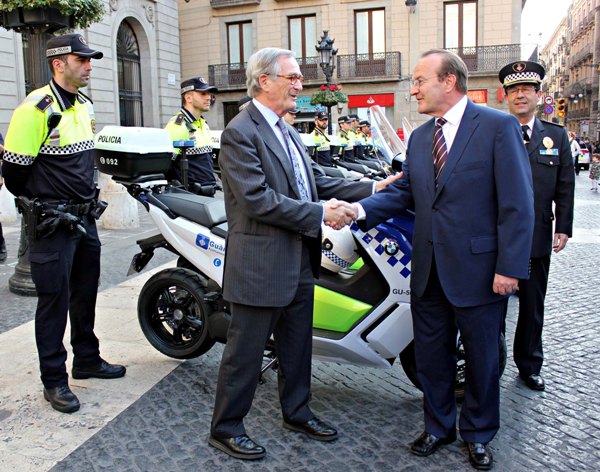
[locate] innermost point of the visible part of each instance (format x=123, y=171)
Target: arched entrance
x=129, y=76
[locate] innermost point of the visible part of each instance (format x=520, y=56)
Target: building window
x=303, y=35
x=129, y=76
x=370, y=31
x=239, y=42
x=460, y=24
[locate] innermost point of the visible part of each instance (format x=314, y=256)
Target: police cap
x=364, y=123
x=344, y=119
x=521, y=72
x=353, y=117
x=198, y=84
x=70, y=44
x=321, y=115
x=293, y=111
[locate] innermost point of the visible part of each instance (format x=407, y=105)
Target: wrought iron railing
x=232, y=3
x=377, y=65
x=489, y=58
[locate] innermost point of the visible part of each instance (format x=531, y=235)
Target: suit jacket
x=268, y=222
x=553, y=182
x=479, y=219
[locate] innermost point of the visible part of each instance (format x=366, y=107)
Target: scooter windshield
x=386, y=142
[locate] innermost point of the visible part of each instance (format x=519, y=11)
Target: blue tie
x=294, y=160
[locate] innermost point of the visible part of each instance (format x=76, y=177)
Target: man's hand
x=381, y=184
x=505, y=285
x=560, y=241
x=338, y=213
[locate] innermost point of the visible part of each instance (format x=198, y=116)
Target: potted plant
x=49, y=15
x=328, y=95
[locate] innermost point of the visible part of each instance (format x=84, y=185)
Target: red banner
x=365, y=101
x=478, y=96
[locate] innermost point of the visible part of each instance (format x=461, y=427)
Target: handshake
x=339, y=213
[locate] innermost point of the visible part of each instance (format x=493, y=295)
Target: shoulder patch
x=44, y=103
x=179, y=119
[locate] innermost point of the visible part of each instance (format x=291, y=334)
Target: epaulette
x=179, y=119
x=85, y=97
x=45, y=103
x=553, y=124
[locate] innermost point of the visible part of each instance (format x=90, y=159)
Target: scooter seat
x=203, y=210
x=220, y=230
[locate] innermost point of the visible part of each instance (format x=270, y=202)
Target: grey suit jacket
x=268, y=223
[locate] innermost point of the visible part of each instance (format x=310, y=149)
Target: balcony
x=489, y=58
x=232, y=3
x=377, y=67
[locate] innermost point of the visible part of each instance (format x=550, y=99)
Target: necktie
x=440, y=151
x=525, y=129
x=294, y=159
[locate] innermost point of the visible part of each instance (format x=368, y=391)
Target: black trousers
x=527, y=349
x=435, y=324
x=65, y=268
x=250, y=328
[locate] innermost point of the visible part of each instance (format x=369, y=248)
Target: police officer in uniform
x=346, y=137
x=188, y=124
x=322, y=140
x=359, y=144
x=364, y=131
x=553, y=187
x=48, y=162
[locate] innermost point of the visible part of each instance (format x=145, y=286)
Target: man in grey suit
x=272, y=192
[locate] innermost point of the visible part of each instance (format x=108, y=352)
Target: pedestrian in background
x=551, y=164
x=575, y=151
x=467, y=179
x=595, y=171
x=53, y=164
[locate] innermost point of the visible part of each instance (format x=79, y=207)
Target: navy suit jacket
x=479, y=219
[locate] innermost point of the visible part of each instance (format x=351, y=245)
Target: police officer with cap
x=321, y=139
x=346, y=137
x=364, y=131
x=48, y=162
x=188, y=124
x=553, y=192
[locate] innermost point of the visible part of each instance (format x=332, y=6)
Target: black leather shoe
x=427, y=443
x=62, y=399
x=480, y=456
x=314, y=429
x=534, y=381
x=102, y=371
x=240, y=447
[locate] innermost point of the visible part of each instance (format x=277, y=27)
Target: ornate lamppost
x=329, y=94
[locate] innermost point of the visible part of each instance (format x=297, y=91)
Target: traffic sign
x=548, y=100
x=548, y=109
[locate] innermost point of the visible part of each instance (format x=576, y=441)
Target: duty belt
x=76, y=209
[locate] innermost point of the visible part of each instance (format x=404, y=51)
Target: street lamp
x=327, y=62
x=411, y=5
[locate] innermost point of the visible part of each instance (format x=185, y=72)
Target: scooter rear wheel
x=407, y=359
x=173, y=314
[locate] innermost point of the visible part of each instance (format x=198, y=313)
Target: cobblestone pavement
x=378, y=412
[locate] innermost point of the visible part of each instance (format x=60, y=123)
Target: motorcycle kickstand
x=272, y=363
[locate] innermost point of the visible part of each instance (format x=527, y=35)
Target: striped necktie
x=525, y=129
x=293, y=159
x=440, y=151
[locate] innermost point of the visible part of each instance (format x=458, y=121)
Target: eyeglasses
x=521, y=89
x=418, y=83
x=294, y=79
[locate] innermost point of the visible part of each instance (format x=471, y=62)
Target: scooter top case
x=128, y=152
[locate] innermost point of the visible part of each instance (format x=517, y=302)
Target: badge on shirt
x=549, y=152
x=547, y=142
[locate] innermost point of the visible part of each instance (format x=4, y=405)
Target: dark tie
x=294, y=159
x=525, y=129
x=440, y=151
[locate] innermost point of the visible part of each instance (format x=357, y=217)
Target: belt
x=76, y=209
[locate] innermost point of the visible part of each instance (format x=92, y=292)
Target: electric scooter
x=362, y=299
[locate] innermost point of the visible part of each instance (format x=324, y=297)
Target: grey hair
x=451, y=64
x=264, y=61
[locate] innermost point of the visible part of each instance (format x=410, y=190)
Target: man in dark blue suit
x=467, y=178
x=553, y=191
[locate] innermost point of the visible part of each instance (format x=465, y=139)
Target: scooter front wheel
x=173, y=314
x=408, y=361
